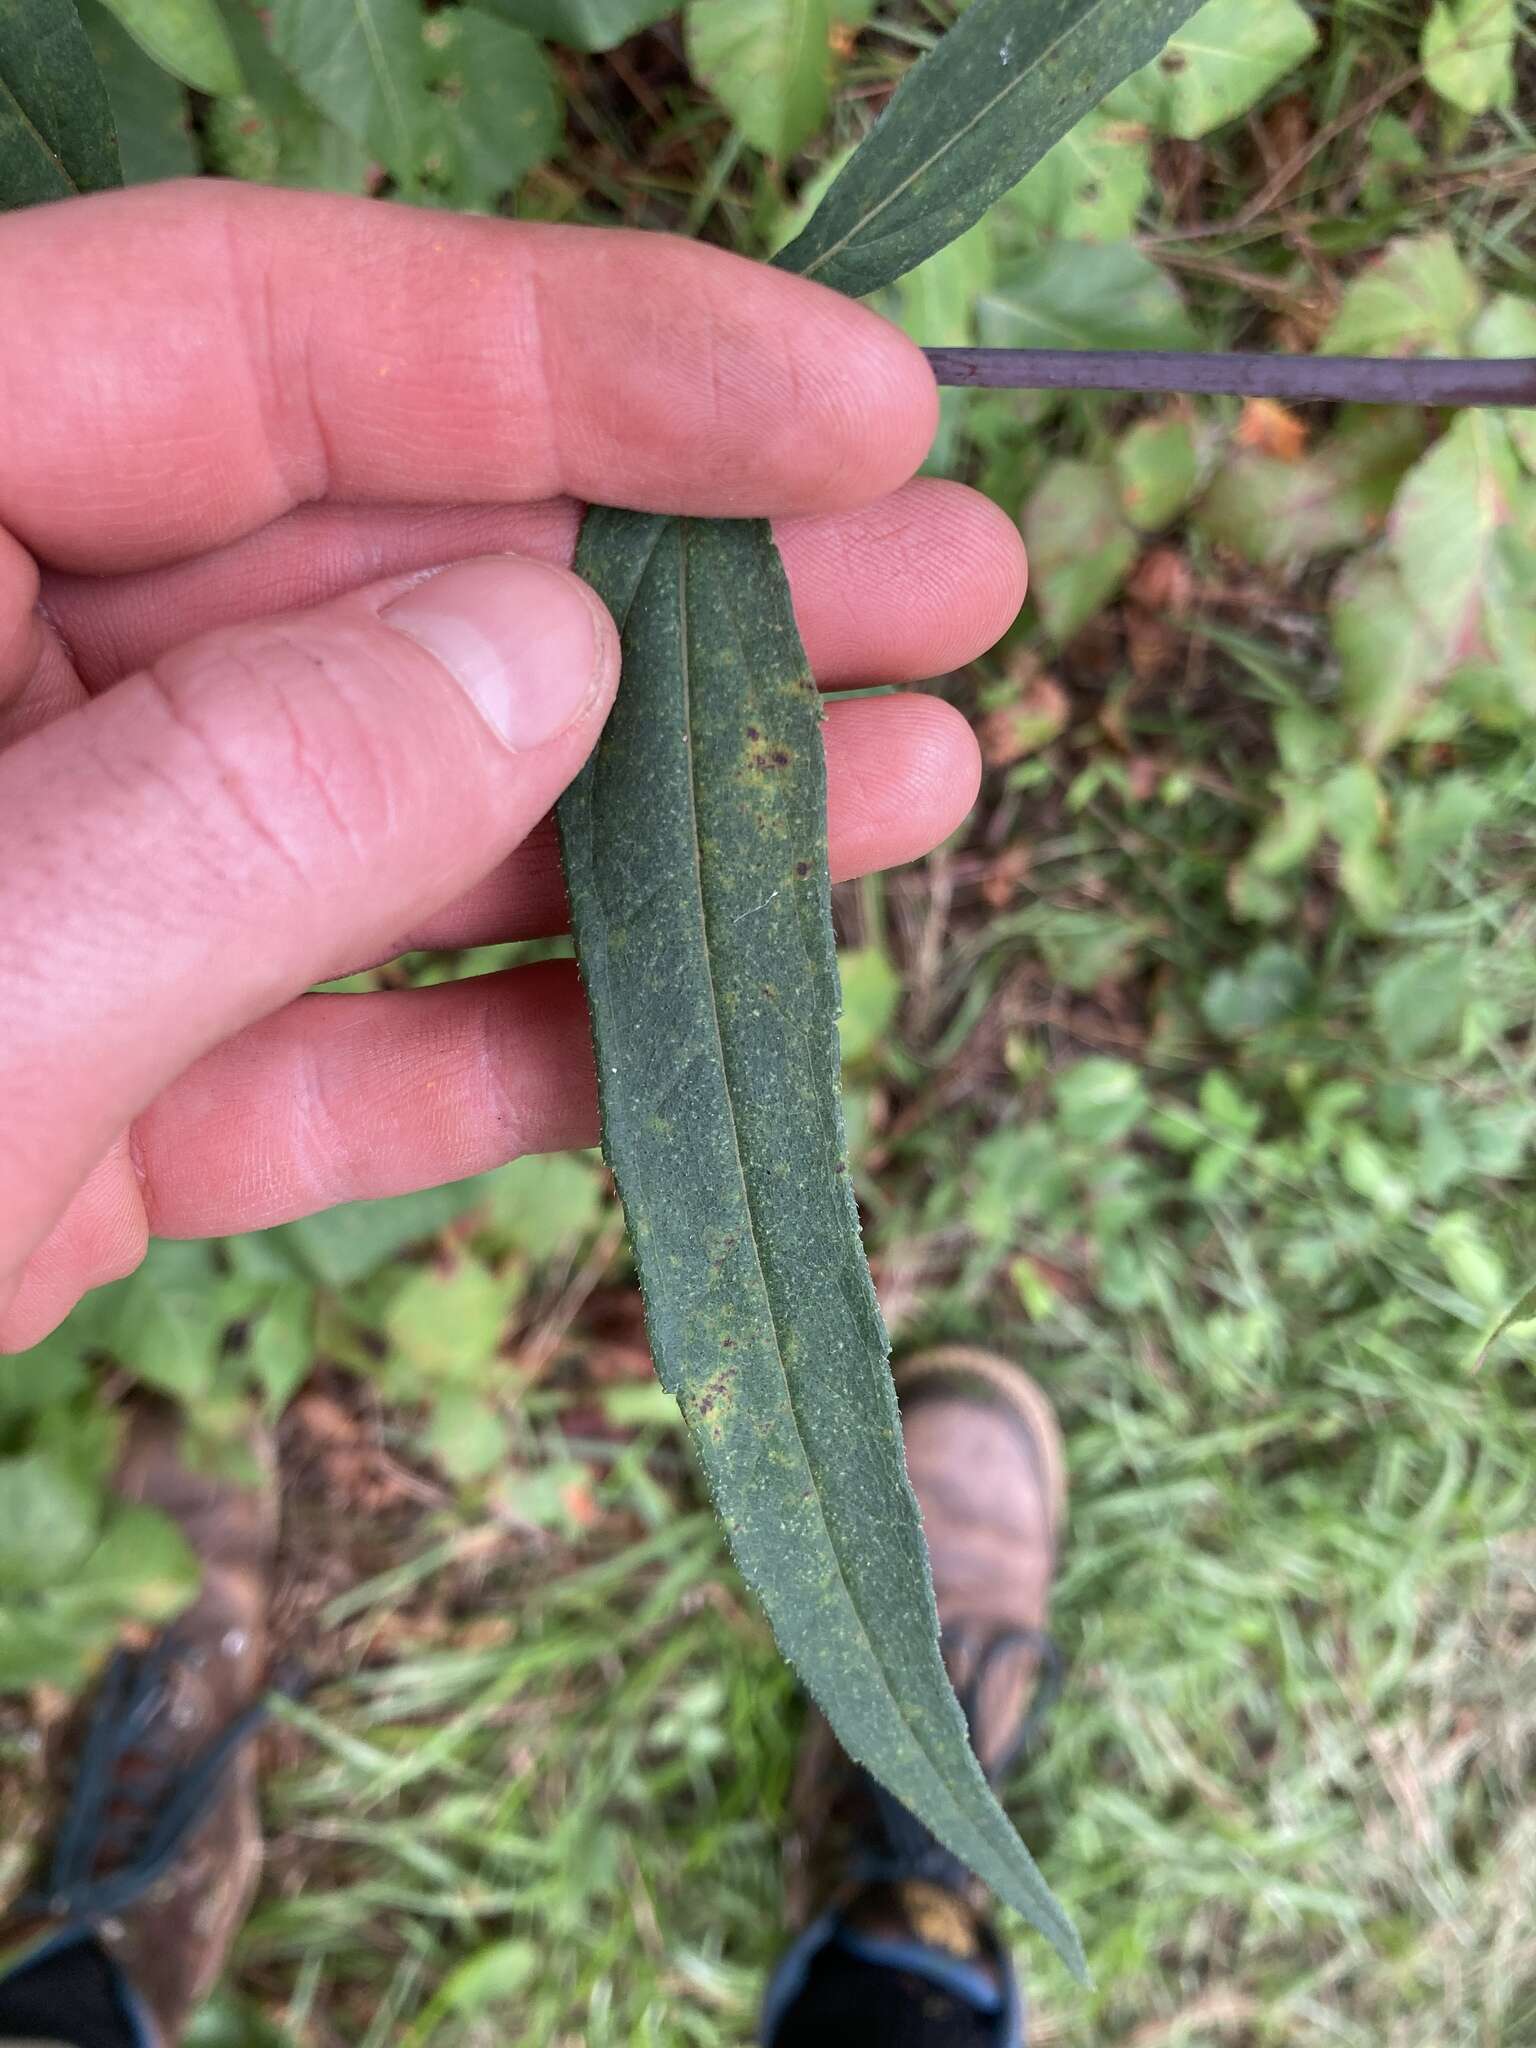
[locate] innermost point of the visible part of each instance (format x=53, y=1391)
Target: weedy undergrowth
x=696, y=859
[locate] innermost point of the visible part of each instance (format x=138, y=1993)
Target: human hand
x=235, y=427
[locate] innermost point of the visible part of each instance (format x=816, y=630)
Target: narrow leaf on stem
x=1006, y=83
x=695, y=851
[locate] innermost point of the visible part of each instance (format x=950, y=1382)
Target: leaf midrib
x=898, y=191
x=362, y=11
x=686, y=663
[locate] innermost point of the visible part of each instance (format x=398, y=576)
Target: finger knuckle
x=266, y=733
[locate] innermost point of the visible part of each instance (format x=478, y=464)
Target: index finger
x=196, y=359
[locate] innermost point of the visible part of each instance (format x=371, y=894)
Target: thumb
x=212, y=836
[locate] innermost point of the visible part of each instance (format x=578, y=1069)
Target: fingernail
x=528, y=644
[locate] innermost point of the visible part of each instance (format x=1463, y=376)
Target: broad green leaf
x=695, y=852
x=768, y=62
x=1253, y=898
x=1507, y=327
x=1281, y=515
x=1272, y=984
x=342, y=1245
x=1158, y=466
x=457, y=105
x=271, y=133
x=49, y=1373
x=1389, y=667
x=56, y=130
x=362, y=63
x=1100, y=1101
x=1437, y=821
x=1443, y=615
x=1371, y=450
x=466, y=1435
x=246, y=139
x=1449, y=528
x=1418, y=1001
x=583, y=24
x=143, y=1569
x=1091, y=187
x=1082, y=948
x=936, y=303
x=40, y=1646
x=1391, y=149
x=1218, y=66
x=1471, y=1264
x=1014, y=1174
x=966, y=124
x=446, y=1325
x=1290, y=836
x=186, y=38
x=280, y=1348
x=1075, y=295
x=546, y=1206
x=48, y=1522
x=150, y=109
x=1417, y=298
x=167, y=1325
x=1355, y=816
x=1226, y=1108
x=82, y=1438
x=1306, y=742
x=1354, y=806
x=494, y=111
x=871, y=997
x=1370, y=1170
x=1080, y=544
x=1468, y=52
x=1511, y=612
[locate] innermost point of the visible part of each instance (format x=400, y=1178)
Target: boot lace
x=136, y=1801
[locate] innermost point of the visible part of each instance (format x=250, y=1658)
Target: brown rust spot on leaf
x=715, y=1396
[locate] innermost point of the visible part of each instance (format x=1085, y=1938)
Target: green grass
x=507, y=1797
x=1198, y=1074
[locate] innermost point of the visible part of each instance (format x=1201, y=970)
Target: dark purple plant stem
x=1366, y=380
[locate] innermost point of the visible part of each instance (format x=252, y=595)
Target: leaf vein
x=1020, y=79
x=686, y=666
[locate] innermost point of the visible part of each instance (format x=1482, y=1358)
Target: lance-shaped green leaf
x=1005, y=84
x=56, y=132
x=695, y=849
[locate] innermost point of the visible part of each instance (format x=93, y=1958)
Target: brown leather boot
x=985, y=1457
x=158, y=1845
